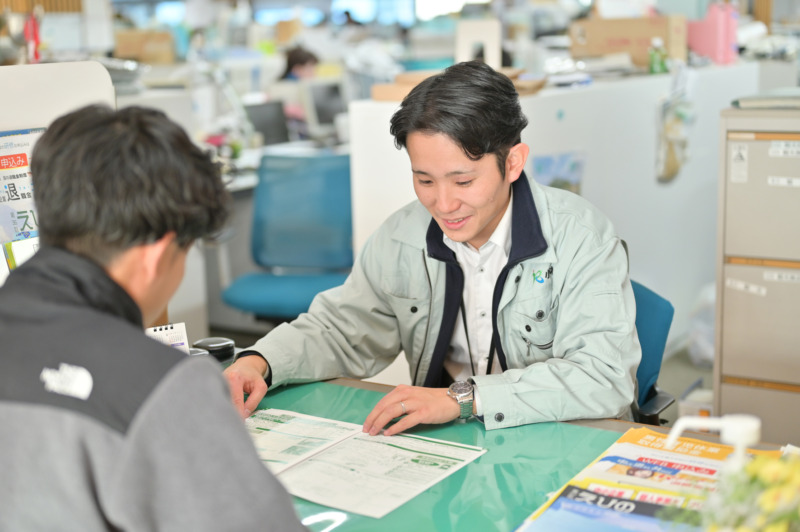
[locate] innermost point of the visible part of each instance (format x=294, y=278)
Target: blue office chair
x=302, y=234
x=653, y=320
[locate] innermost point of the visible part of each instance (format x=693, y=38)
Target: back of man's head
x=107, y=180
x=470, y=102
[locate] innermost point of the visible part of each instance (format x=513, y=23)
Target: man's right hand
x=246, y=376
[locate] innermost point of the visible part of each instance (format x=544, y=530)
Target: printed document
x=629, y=486
x=334, y=464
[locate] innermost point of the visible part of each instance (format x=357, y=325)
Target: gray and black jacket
x=103, y=428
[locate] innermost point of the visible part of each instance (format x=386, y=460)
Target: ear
x=515, y=162
x=138, y=270
x=154, y=257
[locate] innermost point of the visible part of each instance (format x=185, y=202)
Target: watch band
x=466, y=409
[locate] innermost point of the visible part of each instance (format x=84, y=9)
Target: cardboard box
x=390, y=92
x=287, y=30
x=598, y=37
x=405, y=81
x=146, y=46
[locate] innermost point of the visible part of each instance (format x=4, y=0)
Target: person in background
x=349, y=20
x=300, y=64
x=510, y=300
x=103, y=427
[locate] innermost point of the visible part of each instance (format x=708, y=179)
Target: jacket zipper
x=430, y=311
x=548, y=345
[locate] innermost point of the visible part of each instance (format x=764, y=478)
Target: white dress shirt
x=469, y=347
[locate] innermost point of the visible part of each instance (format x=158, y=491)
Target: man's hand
x=417, y=404
x=246, y=376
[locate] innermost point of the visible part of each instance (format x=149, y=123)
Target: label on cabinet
x=742, y=286
x=779, y=181
x=784, y=148
x=782, y=277
x=738, y=169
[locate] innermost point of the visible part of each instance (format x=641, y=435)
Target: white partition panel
x=35, y=95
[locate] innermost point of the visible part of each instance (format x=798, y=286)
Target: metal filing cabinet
x=757, y=347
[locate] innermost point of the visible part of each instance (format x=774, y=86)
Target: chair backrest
x=653, y=320
x=301, y=214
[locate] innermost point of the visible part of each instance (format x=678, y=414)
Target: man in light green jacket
x=510, y=300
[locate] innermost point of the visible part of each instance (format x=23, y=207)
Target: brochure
x=373, y=475
x=636, y=484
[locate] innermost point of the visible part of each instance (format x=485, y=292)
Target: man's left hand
x=415, y=404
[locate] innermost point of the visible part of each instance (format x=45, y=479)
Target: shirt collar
x=527, y=239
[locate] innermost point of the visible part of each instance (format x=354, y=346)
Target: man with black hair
x=511, y=300
x=103, y=427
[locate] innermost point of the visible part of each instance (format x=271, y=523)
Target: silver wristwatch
x=462, y=392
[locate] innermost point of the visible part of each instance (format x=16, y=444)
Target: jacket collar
x=527, y=238
x=72, y=278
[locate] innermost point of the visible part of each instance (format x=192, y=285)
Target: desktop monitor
x=323, y=99
x=269, y=119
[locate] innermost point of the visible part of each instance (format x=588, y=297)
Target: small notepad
x=172, y=334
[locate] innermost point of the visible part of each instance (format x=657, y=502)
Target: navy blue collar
x=527, y=239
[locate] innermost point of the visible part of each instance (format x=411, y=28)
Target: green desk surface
x=496, y=492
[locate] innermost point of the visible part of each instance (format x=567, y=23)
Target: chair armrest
x=650, y=410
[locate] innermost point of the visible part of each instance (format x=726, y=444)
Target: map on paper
x=372, y=475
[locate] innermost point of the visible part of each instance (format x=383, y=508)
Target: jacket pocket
x=533, y=329
x=411, y=307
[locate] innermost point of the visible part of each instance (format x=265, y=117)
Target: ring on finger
x=403, y=406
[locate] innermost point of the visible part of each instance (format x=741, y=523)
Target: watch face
x=460, y=387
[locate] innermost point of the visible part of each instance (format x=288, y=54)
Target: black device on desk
x=220, y=348
x=269, y=119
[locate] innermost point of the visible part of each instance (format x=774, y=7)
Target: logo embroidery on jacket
x=73, y=381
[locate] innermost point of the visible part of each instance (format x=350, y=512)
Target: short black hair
x=106, y=180
x=470, y=102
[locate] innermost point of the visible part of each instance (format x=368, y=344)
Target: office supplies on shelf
x=171, y=334
x=372, y=475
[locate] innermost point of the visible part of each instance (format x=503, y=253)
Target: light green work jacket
x=564, y=313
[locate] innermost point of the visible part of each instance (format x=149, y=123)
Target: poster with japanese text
x=17, y=212
x=19, y=230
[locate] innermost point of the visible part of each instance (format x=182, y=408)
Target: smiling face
x=466, y=198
